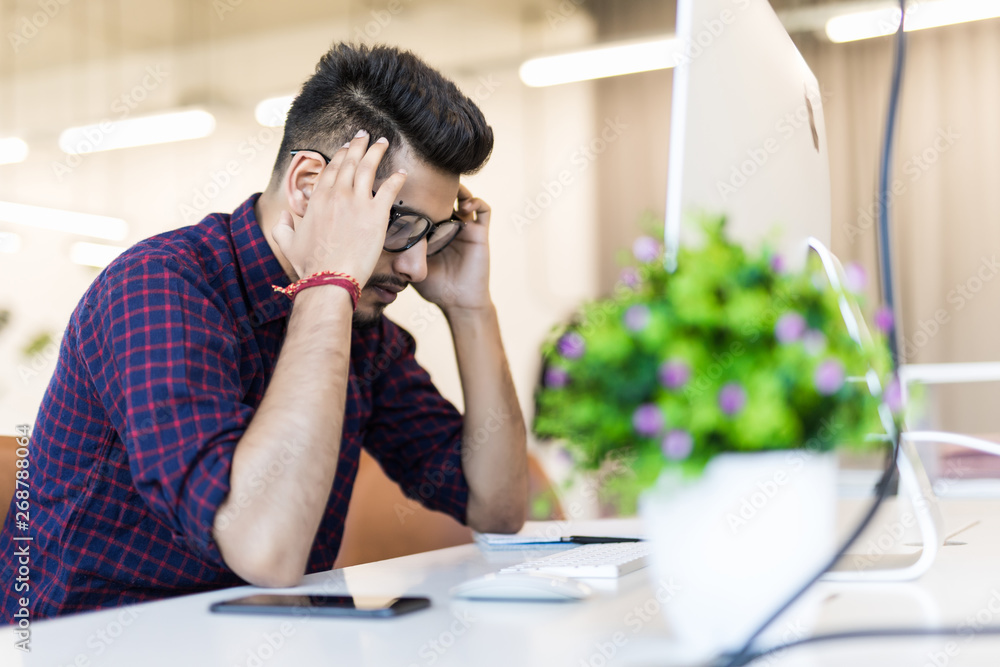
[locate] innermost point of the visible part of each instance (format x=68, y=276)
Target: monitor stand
x=914, y=482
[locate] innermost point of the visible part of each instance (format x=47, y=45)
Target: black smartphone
x=321, y=605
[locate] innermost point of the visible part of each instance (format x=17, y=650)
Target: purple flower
x=883, y=319
x=894, y=396
x=629, y=277
x=636, y=317
x=789, y=328
x=555, y=377
x=646, y=249
x=647, y=420
x=565, y=456
x=674, y=373
x=829, y=377
x=571, y=345
x=814, y=341
x=855, y=277
x=677, y=445
x=777, y=264
x=732, y=398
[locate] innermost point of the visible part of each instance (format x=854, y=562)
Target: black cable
x=885, y=259
x=875, y=633
x=740, y=657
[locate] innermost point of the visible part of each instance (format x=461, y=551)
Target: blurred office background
x=574, y=168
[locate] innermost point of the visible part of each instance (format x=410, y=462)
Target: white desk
x=181, y=631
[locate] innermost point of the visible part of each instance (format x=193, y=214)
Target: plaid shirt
x=161, y=368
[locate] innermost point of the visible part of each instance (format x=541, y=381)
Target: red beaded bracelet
x=324, y=278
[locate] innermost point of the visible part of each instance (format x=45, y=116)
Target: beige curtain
x=946, y=217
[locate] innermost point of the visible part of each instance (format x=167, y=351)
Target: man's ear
x=300, y=181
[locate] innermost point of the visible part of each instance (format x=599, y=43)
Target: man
x=203, y=430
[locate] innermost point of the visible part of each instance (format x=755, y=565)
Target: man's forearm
x=267, y=525
x=494, y=454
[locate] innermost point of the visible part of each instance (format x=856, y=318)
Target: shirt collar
x=258, y=266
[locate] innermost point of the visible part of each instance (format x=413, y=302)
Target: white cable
x=954, y=439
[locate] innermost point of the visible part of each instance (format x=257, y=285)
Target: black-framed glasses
x=407, y=227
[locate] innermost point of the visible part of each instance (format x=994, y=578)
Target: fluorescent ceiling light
x=272, y=111
x=94, y=254
x=142, y=131
x=12, y=150
x=600, y=62
x=919, y=16
x=71, y=222
x=9, y=242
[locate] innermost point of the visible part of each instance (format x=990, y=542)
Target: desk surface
x=618, y=626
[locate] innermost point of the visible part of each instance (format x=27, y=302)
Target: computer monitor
x=748, y=140
x=747, y=135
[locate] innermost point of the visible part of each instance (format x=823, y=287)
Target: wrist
x=323, y=279
x=465, y=316
x=323, y=297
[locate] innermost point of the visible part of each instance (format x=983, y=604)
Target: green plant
x=728, y=354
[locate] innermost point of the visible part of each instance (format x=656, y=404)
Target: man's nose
x=411, y=264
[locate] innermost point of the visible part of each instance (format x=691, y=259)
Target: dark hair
x=392, y=94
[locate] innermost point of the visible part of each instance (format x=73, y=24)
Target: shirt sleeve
x=415, y=433
x=176, y=392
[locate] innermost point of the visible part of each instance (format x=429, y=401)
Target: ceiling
x=77, y=31
x=82, y=30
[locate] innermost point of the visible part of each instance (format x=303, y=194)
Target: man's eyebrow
x=403, y=207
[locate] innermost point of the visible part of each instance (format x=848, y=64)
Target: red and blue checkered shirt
x=161, y=368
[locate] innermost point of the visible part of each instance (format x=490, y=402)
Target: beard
x=368, y=318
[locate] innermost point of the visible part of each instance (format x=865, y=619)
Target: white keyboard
x=604, y=561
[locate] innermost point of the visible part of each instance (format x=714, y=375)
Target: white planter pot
x=739, y=542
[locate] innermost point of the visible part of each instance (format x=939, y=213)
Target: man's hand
x=344, y=226
x=458, y=277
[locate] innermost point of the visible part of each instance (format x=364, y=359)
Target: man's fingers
x=472, y=208
x=338, y=157
x=349, y=165
x=390, y=188
x=364, y=178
